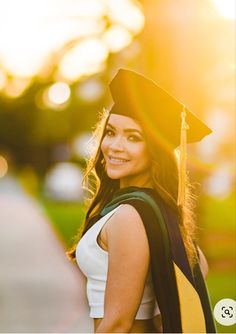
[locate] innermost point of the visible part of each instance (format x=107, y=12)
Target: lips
x=116, y=160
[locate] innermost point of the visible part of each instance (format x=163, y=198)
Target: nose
x=116, y=144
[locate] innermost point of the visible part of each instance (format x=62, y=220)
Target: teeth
x=116, y=159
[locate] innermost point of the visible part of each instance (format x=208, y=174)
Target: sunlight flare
x=36, y=30
x=226, y=8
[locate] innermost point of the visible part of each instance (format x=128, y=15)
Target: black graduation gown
x=181, y=294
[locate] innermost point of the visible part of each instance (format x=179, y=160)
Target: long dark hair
x=165, y=177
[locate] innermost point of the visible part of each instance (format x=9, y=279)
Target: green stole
x=181, y=294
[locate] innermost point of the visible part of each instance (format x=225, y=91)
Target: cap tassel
x=182, y=159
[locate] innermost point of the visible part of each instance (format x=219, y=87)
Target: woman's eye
x=134, y=138
x=109, y=132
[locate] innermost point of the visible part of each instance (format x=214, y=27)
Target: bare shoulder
x=127, y=210
x=125, y=216
x=126, y=227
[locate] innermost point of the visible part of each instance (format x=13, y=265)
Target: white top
x=93, y=261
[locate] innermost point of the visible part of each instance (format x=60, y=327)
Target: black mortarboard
x=165, y=118
x=142, y=99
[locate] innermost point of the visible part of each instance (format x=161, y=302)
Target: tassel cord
x=182, y=159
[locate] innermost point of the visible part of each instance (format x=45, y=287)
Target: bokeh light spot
x=90, y=90
x=220, y=182
x=127, y=13
x=82, y=145
x=63, y=22
x=117, y=37
x=84, y=59
x=3, y=166
x=16, y=87
x=59, y=93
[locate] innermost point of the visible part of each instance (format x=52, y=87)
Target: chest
x=91, y=251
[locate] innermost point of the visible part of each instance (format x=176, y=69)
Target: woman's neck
x=145, y=182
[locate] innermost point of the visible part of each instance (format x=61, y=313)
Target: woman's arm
x=127, y=270
x=203, y=263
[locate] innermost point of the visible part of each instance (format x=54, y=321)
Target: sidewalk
x=40, y=290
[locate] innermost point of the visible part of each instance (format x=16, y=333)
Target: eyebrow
x=126, y=130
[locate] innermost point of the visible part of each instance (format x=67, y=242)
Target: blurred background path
x=40, y=290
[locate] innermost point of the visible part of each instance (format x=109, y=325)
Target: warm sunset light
x=55, y=97
x=3, y=166
x=3, y=79
x=59, y=93
x=90, y=90
x=16, y=87
x=86, y=58
x=111, y=102
x=116, y=38
x=127, y=14
x=20, y=21
x=226, y=8
x=34, y=30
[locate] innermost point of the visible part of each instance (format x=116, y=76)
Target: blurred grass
x=222, y=285
x=66, y=218
x=218, y=240
x=219, y=214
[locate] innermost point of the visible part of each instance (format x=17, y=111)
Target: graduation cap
x=166, y=118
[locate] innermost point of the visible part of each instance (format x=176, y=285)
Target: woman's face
x=125, y=151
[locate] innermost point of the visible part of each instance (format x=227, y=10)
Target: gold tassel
x=182, y=159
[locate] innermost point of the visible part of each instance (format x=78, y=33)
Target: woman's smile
x=116, y=161
x=125, y=151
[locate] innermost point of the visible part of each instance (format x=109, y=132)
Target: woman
x=138, y=248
